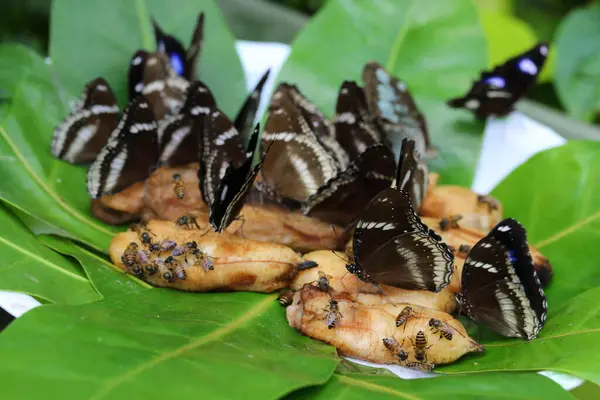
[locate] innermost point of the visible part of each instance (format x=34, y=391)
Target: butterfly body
x=498, y=90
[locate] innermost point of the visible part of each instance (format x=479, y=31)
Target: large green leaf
x=104, y=275
x=34, y=181
x=555, y=195
x=577, y=74
x=437, y=47
x=28, y=267
x=161, y=344
x=485, y=386
x=98, y=38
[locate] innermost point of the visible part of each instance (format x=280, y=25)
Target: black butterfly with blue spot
x=500, y=286
x=182, y=61
x=496, y=91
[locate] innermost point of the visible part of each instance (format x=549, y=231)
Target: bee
x=130, y=255
x=450, y=222
x=191, y=245
x=178, y=187
x=151, y=268
x=167, y=245
x=171, y=265
x=391, y=344
x=180, y=272
x=420, y=345
x=168, y=276
x=404, y=315
x=154, y=247
x=333, y=314
x=188, y=222
x=323, y=282
x=143, y=258
x=201, y=258
x=421, y=366
x=440, y=327
x=489, y=201
x=177, y=251
x=464, y=249
x=402, y=355
x=146, y=238
x=286, y=298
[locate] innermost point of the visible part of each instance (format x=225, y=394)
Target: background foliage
x=128, y=339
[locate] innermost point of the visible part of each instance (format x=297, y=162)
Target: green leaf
x=555, y=196
x=16, y=61
x=577, y=75
x=104, y=275
x=484, y=386
x=91, y=39
x=161, y=344
x=437, y=47
x=36, y=182
x=28, y=267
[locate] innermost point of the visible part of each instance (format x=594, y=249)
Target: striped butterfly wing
x=412, y=174
x=244, y=121
x=130, y=154
x=83, y=133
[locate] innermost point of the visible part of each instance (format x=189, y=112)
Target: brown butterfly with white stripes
x=83, y=133
x=130, y=154
x=412, y=174
x=392, y=246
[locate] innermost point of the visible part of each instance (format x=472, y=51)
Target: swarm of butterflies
x=342, y=171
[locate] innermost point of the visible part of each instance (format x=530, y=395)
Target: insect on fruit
x=130, y=255
x=333, y=314
x=404, y=315
x=167, y=245
x=177, y=251
x=464, y=249
x=421, y=366
x=188, y=222
x=420, y=345
x=450, y=222
x=286, y=298
x=440, y=327
x=491, y=203
x=323, y=282
x=178, y=186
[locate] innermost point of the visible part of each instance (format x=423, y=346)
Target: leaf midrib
x=252, y=313
x=75, y=213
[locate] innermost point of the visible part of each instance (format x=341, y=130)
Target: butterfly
x=298, y=164
x=151, y=75
x=244, y=121
x=83, y=133
x=182, y=61
x=341, y=199
x=354, y=127
x=498, y=90
x=392, y=246
x=130, y=153
x=234, y=187
x=393, y=108
x=412, y=174
x=500, y=287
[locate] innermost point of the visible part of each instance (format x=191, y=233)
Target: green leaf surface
x=577, y=75
x=161, y=344
x=555, y=196
x=15, y=61
x=484, y=386
x=437, y=47
x=106, y=278
x=91, y=39
x=34, y=181
x=28, y=267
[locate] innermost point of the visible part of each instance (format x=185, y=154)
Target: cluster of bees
x=419, y=342
x=151, y=259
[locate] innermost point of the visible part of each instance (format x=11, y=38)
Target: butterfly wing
x=297, y=164
x=164, y=90
x=513, y=237
x=492, y=293
x=130, y=153
x=171, y=47
x=245, y=118
x=135, y=77
x=81, y=136
x=413, y=261
x=193, y=52
x=394, y=109
x=344, y=197
x=412, y=174
x=180, y=135
x=354, y=129
x=221, y=146
x=234, y=188
x=496, y=91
